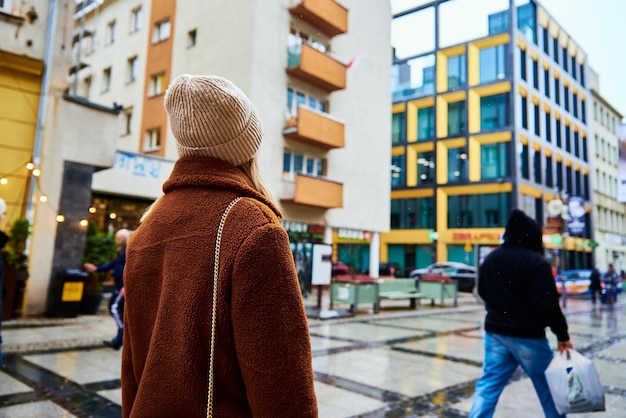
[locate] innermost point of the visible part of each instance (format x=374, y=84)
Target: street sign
x=593, y=244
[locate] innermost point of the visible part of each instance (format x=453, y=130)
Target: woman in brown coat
x=262, y=353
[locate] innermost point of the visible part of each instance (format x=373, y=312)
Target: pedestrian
x=205, y=335
x=611, y=279
x=4, y=239
x=595, y=284
x=116, y=301
x=521, y=300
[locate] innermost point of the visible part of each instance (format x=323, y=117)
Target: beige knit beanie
x=212, y=117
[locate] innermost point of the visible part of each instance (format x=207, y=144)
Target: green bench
x=396, y=289
x=353, y=290
x=440, y=289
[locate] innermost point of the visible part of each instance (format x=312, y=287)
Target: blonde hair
x=250, y=169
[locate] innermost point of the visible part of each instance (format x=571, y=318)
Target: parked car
x=464, y=274
x=386, y=270
x=577, y=282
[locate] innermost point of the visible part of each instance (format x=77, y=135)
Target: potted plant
x=15, y=271
x=100, y=248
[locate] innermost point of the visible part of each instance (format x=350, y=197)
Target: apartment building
x=318, y=72
x=49, y=148
x=487, y=117
x=609, y=214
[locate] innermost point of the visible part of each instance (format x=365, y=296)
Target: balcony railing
x=316, y=128
x=327, y=15
x=314, y=191
x=315, y=67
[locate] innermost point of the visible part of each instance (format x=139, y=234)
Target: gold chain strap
x=216, y=269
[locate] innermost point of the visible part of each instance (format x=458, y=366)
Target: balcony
x=315, y=128
x=327, y=15
x=314, y=191
x=315, y=67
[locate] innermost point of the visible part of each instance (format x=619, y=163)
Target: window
x=546, y=81
x=557, y=91
x=5, y=5
x=555, y=49
x=494, y=111
x=426, y=168
x=461, y=211
x=152, y=140
x=493, y=161
x=110, y=33
x=493, y=63
x=456, y=118
x=106, y=79
x=131, y=70
x=157, y=85
x=127, y=117
x=191, y=38
x=86, y=86
x=457, y=72
x=573, y=67
x=586, y=186
x=537, y=120
x=579, y=183
x=583, y=111
x=546, y=40
x=583, y=144
x=161, y=31
x=559, y=175
x=565, y=62
x=526, y=21
x=397, y=128
x=303, y=99
x=524, y=109
x=457, y=164
x=413, y=213
x=536, y=154
x=575, y=104
x=566, y=97
x=296, y=162
x=569, y=178
x=523, y=161
x=498, y=22
x=535, y=74
x=558, y=132
x=548, y=127
x=135, y=19
x=426, y=123
x=567, y=139
x=582, y=74
x=398, y=172
x=549, y=179
x=522, y=62
x=576, y=144
x=414, y=78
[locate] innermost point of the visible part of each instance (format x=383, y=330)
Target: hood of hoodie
x=523, y=231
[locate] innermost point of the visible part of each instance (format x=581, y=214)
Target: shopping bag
x=574, y=384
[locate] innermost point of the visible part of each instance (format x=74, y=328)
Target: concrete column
x=374, y=254
x=328, y=235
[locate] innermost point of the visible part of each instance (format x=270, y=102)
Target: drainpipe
x=47, y=66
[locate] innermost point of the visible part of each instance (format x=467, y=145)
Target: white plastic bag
x=574, y=384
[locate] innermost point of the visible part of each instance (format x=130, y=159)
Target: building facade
x=609, y=218
x=487, y=117
x=313, y=68
x=51, y=144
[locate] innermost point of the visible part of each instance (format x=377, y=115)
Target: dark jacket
x=517, y=285
x=594, y=280
x=263, y=358
x=117, y=265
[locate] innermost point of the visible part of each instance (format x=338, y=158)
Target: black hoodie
x=517, y=285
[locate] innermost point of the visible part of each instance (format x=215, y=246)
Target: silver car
x=464, y=274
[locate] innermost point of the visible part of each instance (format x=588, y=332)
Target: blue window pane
x=494, y=111
x=493, y=63
x=493, y=161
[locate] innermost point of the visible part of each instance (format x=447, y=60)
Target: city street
x=397, y=363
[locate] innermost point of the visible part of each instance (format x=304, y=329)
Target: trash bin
x=69, y=292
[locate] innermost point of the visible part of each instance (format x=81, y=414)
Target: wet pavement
x=397, y=363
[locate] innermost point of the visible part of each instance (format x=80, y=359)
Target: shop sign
x=353, y=235
x=476, y=236
x=300, y=228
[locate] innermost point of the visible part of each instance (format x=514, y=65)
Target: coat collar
x=215, y=174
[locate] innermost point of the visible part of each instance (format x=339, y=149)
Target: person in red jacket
x=261, y=346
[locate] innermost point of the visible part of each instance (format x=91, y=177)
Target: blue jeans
x=502, y=356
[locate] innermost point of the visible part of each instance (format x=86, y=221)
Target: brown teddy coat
x=263, y=359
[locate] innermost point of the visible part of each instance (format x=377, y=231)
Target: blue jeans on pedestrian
x=502, y=356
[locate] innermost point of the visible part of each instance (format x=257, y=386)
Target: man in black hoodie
x=518, y=288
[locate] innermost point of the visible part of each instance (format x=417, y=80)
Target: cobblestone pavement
x=397, y=363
